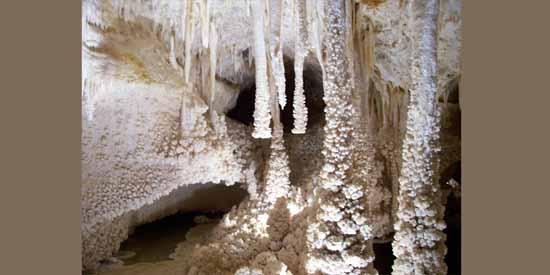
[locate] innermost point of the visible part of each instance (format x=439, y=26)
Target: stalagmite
x=277, y=180
x=262, y=115
x=205, y=22
x=300, y=52
x=419, y=241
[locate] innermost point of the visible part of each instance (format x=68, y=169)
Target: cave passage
x=157, y=240
x=154, y=242
x=313, y=91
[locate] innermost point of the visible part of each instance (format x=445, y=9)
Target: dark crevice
x=454, y=171
x=313, y=90
x=244, y=109
x=452, y=216
x=453, y=91
x=156, y=240
x=384, y=257
x=453, y=232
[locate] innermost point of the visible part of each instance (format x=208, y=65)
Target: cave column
x=419, y=241
x=338, y=235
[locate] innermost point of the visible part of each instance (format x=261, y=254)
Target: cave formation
x=271, y=137
x=313, y=89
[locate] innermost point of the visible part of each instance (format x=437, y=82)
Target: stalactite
x=385, y=107
x=338, y=236
x=367, y=55
x=369, y=43
x=173, y=60
x=361, y=48
x=276, y=113
x=300, y=51
x=248, y=7
x=349, y=8
x=184, y=12
x=299, y=104
x=280, y=77
x=205, y=22
x=235, y=59
x=188, y=40
x=212, y=52
x=317, y=28
x=419, y=241
x=262, y=115
x=88, y=90
x=222, y=61
x=204, y=63
x=276, y=52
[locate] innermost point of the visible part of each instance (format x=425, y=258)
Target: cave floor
x=151, y=247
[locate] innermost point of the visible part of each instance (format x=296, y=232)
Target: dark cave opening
x=244, y=109
x=454, y=171
x=155, y=241
x=453, y=232
x=384, y=257
x=453, y=91
x=313, y=90
x=452, y=216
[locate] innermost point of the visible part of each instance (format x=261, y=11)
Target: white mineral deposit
x=271, y=137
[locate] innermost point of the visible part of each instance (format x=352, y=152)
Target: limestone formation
x=339, y=119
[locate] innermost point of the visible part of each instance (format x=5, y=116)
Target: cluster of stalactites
x=208, y=52
x=419, y=241
x=308, y=26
